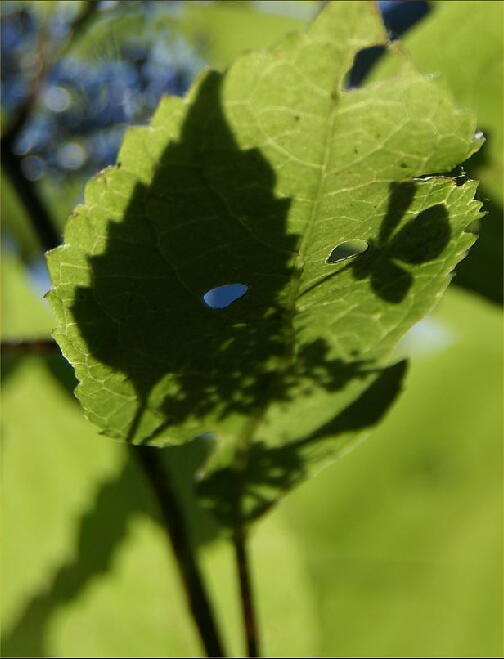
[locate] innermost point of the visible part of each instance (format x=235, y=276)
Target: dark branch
x=36, y=210
x=250, y=626
x=198, y=601
x=80, y=23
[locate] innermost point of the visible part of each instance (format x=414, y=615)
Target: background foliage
x=394, y=550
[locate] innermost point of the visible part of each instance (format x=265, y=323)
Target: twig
x=29, y=346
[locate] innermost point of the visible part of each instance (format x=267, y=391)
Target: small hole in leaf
x=222, y=296
x=362, y=64
x=346, y=250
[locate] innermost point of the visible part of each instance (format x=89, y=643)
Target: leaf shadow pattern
x=208, y=218
x=271, y=471
x=101, y=530
x=420, y=240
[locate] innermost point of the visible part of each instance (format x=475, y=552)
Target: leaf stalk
x=173, y=521
x=249, y=618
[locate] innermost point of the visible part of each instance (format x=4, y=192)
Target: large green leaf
x=470, y=61
x=265, y=176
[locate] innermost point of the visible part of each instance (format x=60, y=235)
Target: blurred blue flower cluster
x=84, y=105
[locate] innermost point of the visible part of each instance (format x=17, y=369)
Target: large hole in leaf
x=346, y=250
x=222, y=296
x=399, y=17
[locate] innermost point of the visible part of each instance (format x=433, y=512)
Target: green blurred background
x=395, y=550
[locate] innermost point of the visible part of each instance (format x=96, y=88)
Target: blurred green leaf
x=24, y=316
x=223, y=31
x=404, y=536
x=463, y=41
x=255, y=179
x=15, y=223
x=283, y=591
x=126, y=20
x=218, y=32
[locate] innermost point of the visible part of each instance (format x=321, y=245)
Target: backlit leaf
x=254, y=179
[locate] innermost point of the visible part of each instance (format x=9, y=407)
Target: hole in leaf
x=362, y=63
x=222, y=296
x=346, y=250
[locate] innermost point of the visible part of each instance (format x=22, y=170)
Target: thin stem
x=197, y=597
x=249, y=619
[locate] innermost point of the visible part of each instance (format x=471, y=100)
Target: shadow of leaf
x=420, y=240
x=101, y=530
x=270, y=472
x=209, y=217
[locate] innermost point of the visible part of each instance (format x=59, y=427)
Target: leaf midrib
x=247, y=436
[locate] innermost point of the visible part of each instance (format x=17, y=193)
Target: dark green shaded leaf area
x=254, y=179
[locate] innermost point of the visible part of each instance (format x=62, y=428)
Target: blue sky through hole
x=222, y=296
